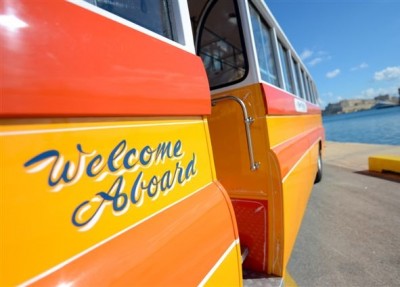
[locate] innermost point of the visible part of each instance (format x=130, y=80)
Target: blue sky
x=350, y=47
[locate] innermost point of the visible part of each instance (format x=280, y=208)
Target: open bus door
x=266, y=141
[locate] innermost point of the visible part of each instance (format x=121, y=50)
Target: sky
x=350, y=47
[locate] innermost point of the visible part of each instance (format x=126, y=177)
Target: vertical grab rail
x=247, y=121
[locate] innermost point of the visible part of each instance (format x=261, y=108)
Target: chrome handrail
x=248, y=121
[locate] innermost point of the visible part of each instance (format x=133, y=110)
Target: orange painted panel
x=230, y=147
x=297, y=188
x=68, y=61
x=284, y=128
x=175, y=255
x=223, y=276
x=291, y=151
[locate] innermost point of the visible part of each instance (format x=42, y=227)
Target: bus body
x=151, y=143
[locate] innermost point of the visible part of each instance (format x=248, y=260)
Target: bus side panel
x=297, y=187
x=166, y=250
x=291, y=140
x=97, y=201
x=294, y=137
x=92, y=66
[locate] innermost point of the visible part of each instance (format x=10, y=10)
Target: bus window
x=306, y=90
x=310, y=90
x=312, y=96
x=316, y=98
x=287, y=75
x=314, y=93
x=297, y=80
x=297, y=88
x=155, y=15
x=220, y=45
x=263, y=40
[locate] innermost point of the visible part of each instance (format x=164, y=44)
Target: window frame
x=286, y=69
x=184, y=37
x=271, y=57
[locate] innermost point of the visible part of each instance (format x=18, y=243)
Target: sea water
x=380, y=126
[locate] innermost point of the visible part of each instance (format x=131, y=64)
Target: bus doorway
x=238, y=133
x=265, y=125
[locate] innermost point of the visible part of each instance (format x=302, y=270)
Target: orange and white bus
x=151, y=143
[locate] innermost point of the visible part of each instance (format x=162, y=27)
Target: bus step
x=264, y=282
x=254, y=279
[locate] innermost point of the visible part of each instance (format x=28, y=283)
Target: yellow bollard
x=382, y=163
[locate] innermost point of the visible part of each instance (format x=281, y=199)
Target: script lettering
x=135, y=181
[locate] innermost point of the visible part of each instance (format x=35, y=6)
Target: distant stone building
x=349, y=106
x=355, y=105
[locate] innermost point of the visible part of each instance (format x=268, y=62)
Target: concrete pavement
x=354, y=156
x=350, y=235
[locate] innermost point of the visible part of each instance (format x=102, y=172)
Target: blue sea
x=380, y=126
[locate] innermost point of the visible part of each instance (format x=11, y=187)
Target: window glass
x=297, y=80
x=287, y=75
x=263, y=40
x=310, y=90
x=155, y=15
x=221, y=46
x=314, y=93
x=317, y=95
x=306, y=90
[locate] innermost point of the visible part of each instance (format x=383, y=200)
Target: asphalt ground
x=350, y=235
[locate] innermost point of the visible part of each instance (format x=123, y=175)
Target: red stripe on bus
x=69, y=61
x=165, y=250
x=279, y=102
x=291, y=151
